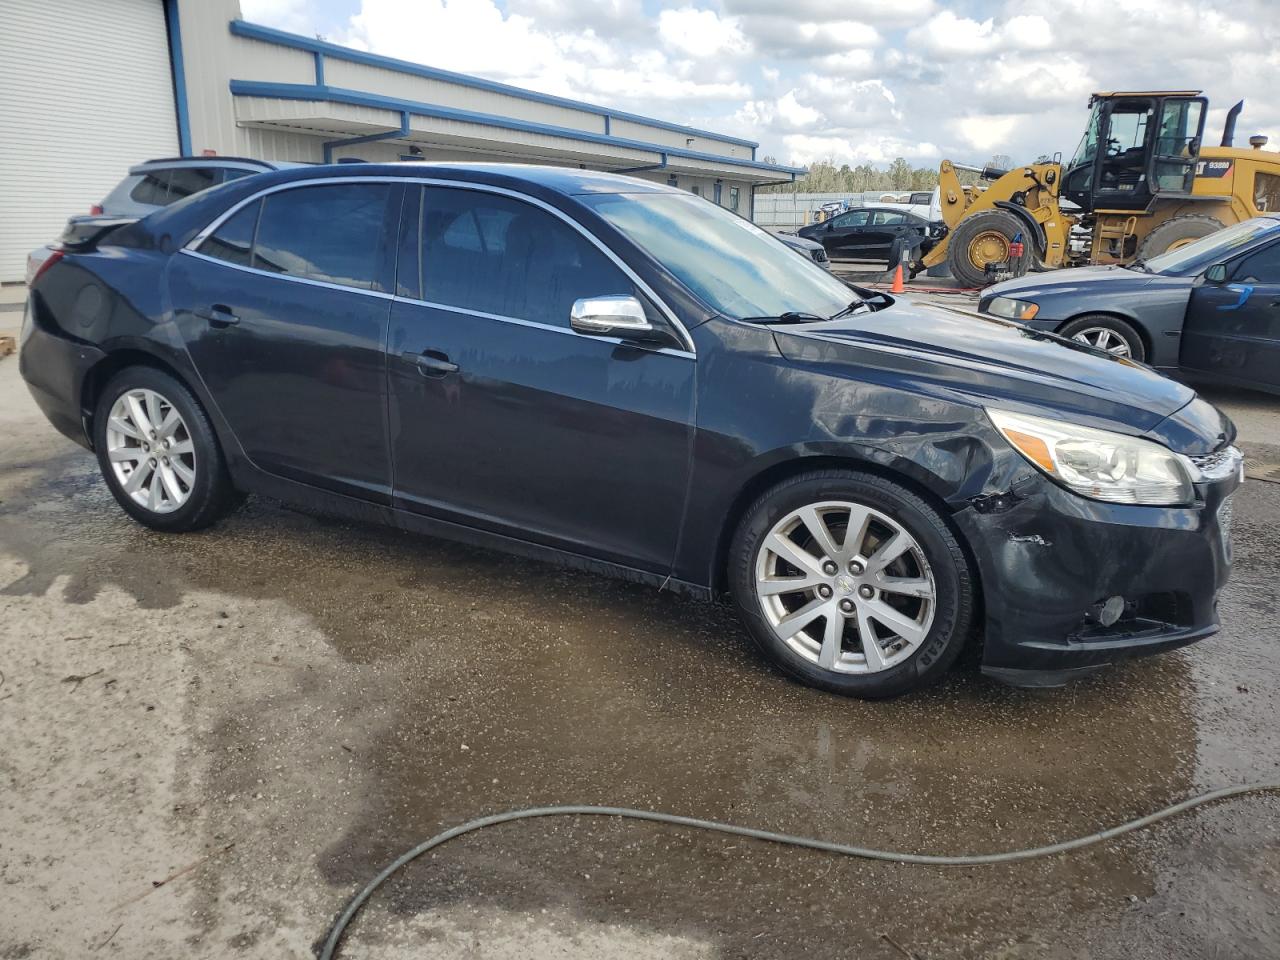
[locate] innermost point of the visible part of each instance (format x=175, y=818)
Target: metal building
x=87, y=93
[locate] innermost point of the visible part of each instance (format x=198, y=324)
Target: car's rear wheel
x=158, y=453
x=1108, y=334
x=852, y=583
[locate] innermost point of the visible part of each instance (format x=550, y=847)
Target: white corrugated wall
x=85, y=92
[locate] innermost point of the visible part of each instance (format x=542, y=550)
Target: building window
x=734, y=196
x=673, y=181
x=717, y=193
x=697, y=190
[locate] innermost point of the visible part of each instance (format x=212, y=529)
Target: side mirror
x=1217, y=273
x=620, y=316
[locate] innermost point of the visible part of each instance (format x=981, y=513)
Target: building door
x=83, y=95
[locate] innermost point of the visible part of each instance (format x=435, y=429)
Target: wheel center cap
x=845, y=585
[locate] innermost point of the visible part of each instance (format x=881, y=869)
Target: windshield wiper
x=791, y=316
x=1139, y=265
x=851, y=308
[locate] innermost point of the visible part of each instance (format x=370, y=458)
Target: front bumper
x=1049, y=559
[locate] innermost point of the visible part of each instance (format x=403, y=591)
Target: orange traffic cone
x=898, y=286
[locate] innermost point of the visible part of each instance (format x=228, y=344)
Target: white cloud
x=701, y=33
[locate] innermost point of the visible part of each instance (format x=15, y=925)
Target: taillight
x=95, y=210
x=40, y=271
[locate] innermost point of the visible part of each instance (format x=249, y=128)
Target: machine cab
x=1137, y=146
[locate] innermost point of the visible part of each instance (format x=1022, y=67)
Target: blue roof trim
x=253, y=31
x=302, y=91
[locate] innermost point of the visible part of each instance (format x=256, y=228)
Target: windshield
x=731, y=264
x=1205, y=252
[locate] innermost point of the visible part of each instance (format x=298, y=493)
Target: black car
x=1210, y=308
x=615, y=374
x=869, y=233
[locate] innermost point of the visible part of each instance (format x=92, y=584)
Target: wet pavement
x=257, y=718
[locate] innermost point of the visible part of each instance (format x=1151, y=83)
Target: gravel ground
x=211, y=741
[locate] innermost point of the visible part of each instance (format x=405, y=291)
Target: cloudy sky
x=849, y=80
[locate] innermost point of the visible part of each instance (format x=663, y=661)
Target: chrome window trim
x=191, y=246
x=518, y=321
x=327, y=284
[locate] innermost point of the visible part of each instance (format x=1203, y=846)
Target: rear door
x=1233, y=329
x=502, y=417
x=284, y=310
x=885, y=227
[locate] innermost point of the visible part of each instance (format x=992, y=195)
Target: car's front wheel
x=1108, y=334
x=158, y=452
x=852, y=583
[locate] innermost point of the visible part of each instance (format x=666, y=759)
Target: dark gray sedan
x=1211, y=307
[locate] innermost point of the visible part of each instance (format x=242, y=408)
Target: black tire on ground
x=990, y=231
x=1102, y=321
x=955, y=582
x=1177, y=231
x=211, y=494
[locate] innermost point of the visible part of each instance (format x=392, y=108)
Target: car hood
x=979, y=359
x=1077, y=280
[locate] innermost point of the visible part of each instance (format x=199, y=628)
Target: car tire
x=1176, y=233
x=169, y=475
x=990, y=231
x=1107, y=333
x=917, y=636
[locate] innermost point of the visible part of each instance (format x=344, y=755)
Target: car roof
x=237, y=162
x=563, y=180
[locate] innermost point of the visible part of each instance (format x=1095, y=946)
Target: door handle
x=431, y=363
x=219, y=315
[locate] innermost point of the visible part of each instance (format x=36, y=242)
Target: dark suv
x=616, y=374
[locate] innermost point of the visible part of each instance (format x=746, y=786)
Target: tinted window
x=730, y=263
x=855, y=219
x=884, y=218
x=153, y=188
x=492, y=254
x=1261, y=267
x=332, y=233
x=233, y=241
x=184, y=181
x=235, y=173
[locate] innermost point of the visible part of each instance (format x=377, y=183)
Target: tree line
x=826, y=177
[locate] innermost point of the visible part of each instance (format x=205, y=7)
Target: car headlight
x=1012, y=309
x=1097, y=463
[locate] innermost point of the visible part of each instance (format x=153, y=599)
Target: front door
x=1232, y=329
x=504, y=418
x=284, y=309
x=845, y=235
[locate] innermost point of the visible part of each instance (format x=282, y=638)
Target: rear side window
x=496, y=255
x=184, y=181
x=887, y=218
x=153, y=188
x=233, y=241
x=333, y=233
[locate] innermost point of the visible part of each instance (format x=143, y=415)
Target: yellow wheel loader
x=1140, y=184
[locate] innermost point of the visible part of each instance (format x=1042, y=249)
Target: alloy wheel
x=845, y=586
x=1104, y=339
x=151, y=451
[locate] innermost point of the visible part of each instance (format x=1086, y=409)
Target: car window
x=887, y=218
x=184, y=181
x=1260, y=267
x=233, y=241
x=329, y=232
x=497, y=255
x=733, y=266
x=235, y=173
x=856, y=218
x=152, y=189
